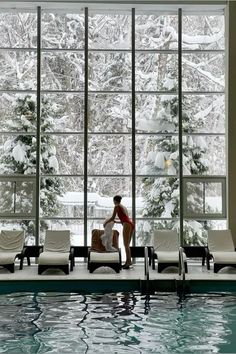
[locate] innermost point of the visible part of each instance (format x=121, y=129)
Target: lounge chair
x=99, y=257
x=166, y=250
x=11, y=247
x=221, y=248
x=56, y=252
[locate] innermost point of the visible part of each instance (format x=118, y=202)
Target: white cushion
x=7, y=257
x=224, y=257
x=51, y=258
x=220, y=240
x=165, y=240
x=12, y=240
x=104, y=257
x=169, y=257
x=57, y=241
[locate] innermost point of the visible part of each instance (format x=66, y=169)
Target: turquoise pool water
x=117, y=323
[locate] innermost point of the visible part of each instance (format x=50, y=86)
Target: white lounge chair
x=56, y=252
x=11, y=247
x=166, y=250
x=221, y=249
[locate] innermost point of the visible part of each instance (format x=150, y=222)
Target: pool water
x=117, y=323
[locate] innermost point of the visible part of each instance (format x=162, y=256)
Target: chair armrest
x=152, y=256
x=72, y=258
x=21, y=256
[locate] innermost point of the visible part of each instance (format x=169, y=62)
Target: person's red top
x=123, y=217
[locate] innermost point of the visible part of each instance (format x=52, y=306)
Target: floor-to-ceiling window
x=109, y=121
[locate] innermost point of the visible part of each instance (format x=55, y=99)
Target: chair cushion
x=96, y=242
x=57, y=241
x=7, y=257
x=220, y=241
x=104, y=257
x=224, y=257
x=12, y=240
x=166, y=240
x=169, y=257
x=51, y=258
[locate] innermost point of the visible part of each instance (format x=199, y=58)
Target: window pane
x=12, y=109
x=203, y=72
x=101, y=191
x=156, y=72
x=61, y=196
x=204, y=155
x=62, y=71
x=18, y=70
x=155, y=114
x=110, y=31
x=17, y=197
x=204, y=114
x=157, y=155
x=76, y=228
x=62, y=30
x=203, y=32
x=64, y=154
x=109, y=113
x=109, y=71
x=17, y=154
x=195, y=231
x=18, y=30
x=109, y=154
x=157, y=197
x=156, y=32
x=68, y=112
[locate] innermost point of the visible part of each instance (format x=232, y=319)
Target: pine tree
x=19, y=157
x=161, y=195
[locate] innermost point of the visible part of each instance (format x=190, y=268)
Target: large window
x=110, y=116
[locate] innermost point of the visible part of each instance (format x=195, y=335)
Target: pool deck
x=104, y=279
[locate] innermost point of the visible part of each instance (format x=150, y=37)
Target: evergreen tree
x=19, y=157
x=162, y=194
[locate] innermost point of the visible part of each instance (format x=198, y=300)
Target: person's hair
x=117, y=198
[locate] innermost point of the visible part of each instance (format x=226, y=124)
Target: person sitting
x=107, y=237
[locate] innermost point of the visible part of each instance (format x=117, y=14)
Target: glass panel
x=204, y=114
x=62, y=30
x=109, y=154
x=76, y=228
x=156, y=32
x=157, y=155
x=155, y=114
x=61, y=196
x=145, y=229
x=62, y=71
x=195, y=231
x=204, y=155
x=203, y=32
x=18, y=30
x=13, y=107
x=19, y=70
x=101, y=191
x=157, y=197
x=156, y=72
x=204, y=198
x=18, y=224
x=17, y=154
x=109, y=71
x=68, y=112
x=203, y=72
x=109, y=31
x=62, y=154
x=16, y=197
x=109, y=113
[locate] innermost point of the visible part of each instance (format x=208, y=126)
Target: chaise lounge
x=11, y=248
x=56, y=252
x=221, y=249
x=166, y=250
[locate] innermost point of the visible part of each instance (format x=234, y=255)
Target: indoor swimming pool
x=117, y=323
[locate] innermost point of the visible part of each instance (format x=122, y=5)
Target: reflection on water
x=116, y=323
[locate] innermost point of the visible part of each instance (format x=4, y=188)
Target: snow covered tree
x=19, y=155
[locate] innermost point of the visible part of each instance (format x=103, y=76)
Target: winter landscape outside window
x=72, y=196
